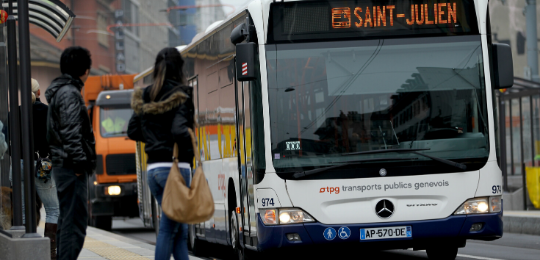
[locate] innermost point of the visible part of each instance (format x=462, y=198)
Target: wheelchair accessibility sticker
x=329, y=233
x=344, y=232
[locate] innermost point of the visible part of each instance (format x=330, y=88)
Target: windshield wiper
x=298, y=175
x=387, y=151
x=415, y=151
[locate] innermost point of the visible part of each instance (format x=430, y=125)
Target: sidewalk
x=522, y=222
x=102, y=245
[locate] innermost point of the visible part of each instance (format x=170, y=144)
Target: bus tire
x=102, y=222
x=235, y=236
x=196, y=245
x=442, y=253
x=155, y=218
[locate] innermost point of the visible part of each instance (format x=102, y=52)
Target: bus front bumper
x=454, y=229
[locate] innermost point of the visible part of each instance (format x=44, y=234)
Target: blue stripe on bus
x=453, y=227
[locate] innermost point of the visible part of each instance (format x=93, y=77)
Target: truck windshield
x=331, y=101
x=114, y=121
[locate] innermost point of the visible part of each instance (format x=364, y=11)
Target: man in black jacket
x=72, y=145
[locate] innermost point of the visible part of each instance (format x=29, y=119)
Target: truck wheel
x=91, y=194
x=442, y=253
x=235, y=236
x=103, y=222
x=196, y=245
x=155, y=217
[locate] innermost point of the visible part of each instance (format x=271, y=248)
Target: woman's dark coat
x=162, y=123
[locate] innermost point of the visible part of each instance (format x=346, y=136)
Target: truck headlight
x=285, y=216
x=113, y=190
x=480, y=205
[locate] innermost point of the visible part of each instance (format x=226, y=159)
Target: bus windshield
x=330, y=100
x=114, y=121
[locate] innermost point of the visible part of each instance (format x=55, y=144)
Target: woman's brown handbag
x=181, y=203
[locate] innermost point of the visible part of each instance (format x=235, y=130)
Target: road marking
x=478, y=257
x=469, y=256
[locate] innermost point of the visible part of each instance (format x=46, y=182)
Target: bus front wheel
x=235, y=236
x=442, y=253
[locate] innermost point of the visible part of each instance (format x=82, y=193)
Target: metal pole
x=531, y=128
x=73, y=24
x=521, y=153
x=14, y=126
x=26, y=118
x=502, y=141
x=532, y=39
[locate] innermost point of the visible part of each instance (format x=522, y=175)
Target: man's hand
x=78, y=174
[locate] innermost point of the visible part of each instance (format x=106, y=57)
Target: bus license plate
x=385, y=232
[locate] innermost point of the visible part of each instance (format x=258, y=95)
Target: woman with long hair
x=163, y=115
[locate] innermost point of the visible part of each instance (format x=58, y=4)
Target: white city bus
x=360, y=123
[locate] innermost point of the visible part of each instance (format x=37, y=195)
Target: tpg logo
x=330, y=190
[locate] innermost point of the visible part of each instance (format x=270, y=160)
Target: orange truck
x=112, y=191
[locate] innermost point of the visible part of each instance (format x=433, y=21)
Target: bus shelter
x=519, y=137
x=56, y=18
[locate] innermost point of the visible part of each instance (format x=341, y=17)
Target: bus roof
x=196, y=40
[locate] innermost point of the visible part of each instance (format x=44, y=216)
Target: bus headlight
x=479, y=206
x=291, y=216
x=495, y=204
x=269, y=217
x=285, y=216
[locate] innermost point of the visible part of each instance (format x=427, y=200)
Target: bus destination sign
x=312, y=20
x=377, y=16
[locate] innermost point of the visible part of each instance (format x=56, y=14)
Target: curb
x=529, y=225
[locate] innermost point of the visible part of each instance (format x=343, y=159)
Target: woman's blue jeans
x=47, y=193
x=172, y=237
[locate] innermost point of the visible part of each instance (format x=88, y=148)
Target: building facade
x=123, y=37
x=190, y=21
x=509, y=25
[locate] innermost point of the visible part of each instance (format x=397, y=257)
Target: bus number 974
x=267, y=202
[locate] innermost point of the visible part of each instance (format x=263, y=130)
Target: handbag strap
x=175, y=152
x=195, y=148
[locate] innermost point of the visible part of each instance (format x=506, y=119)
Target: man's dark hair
x=75, y=61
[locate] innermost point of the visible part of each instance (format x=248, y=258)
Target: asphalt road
x=511, y=246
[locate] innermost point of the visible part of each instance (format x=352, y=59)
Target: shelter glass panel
x=536, y=128
x=508, y=137
x=526, y=121
x=516, y=137
x=5, y=184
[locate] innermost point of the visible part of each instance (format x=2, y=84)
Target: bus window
x=228, y=124
x=329, y=99
x=212, y=117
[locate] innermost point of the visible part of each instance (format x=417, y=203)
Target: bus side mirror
x=503, y=67
x=245, y=61
x=239, y=33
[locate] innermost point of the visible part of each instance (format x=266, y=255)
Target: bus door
x=247, y=209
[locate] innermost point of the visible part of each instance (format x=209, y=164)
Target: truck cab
x=112, y=191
